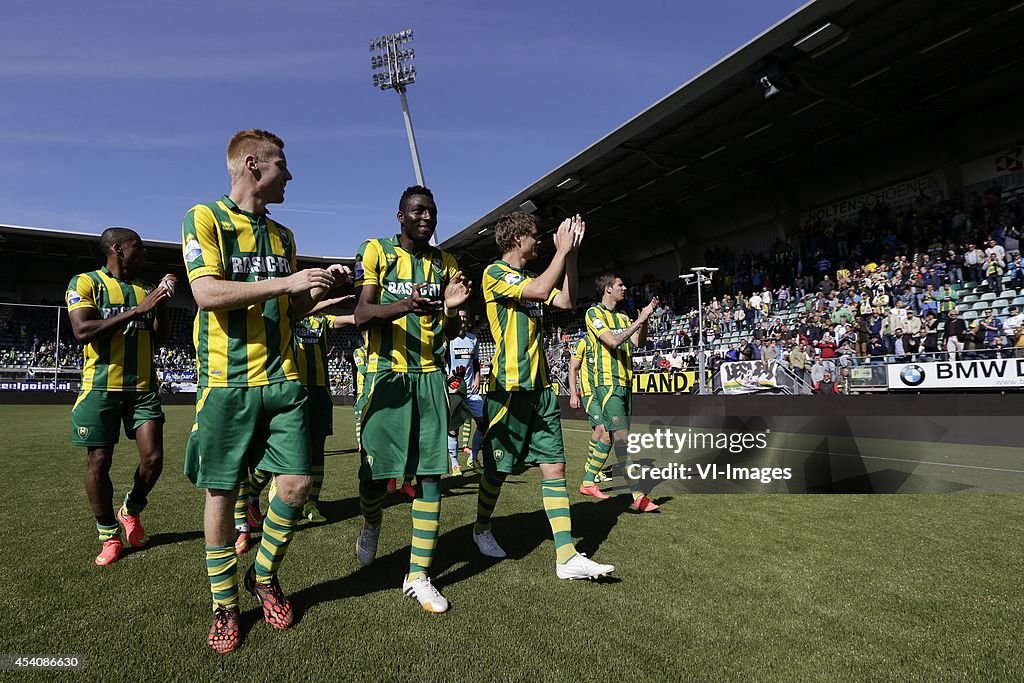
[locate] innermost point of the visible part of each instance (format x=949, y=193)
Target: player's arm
x=161, y=321
x=639, y=337
x=574, y=393
x=567, y=240
x=341, y=321
x=303, y=302
x=88, y=326
x=456, y=293
x=475, y=360
x=213, y=293
x=345, y=301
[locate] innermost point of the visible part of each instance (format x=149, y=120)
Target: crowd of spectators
x=883, y=286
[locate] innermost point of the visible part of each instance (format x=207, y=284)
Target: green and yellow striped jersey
x=311, y=349
x=583, y=353
x=359, y=356
x=412, y=343
x=122, y=361
x=611, y=368
x=249, y=346
x=519, y=363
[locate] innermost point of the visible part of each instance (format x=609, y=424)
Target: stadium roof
x=862, y=87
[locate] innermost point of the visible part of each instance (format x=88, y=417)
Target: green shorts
x=593, y=410
x=523, y=427
x=615, y=407
x=97, y=416
x=404, y=425
x=321, y=413
x=266, y=428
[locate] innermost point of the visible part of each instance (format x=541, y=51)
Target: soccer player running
x=409, y=296
x=581, y=366
x=523, y=418
x=613, y=336
x=116, y=317
x=251, y=409
x=464, y=362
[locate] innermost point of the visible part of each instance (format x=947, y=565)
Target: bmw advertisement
x=1004, y=373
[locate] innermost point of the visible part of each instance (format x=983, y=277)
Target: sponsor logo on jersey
x=427, y=290
x=227, y=226
x=260, y=265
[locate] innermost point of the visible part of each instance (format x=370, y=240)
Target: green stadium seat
x=970, y=284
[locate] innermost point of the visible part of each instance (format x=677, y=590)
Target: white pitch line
x=870, y=457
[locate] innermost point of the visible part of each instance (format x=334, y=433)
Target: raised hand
x=342, y=274
x=457, y=292
x=308, y=280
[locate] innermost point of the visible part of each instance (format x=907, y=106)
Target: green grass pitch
x=715, y=587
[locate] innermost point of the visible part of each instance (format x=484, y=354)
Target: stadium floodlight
x=701, y=275
x=770, y=90
x=393, y=70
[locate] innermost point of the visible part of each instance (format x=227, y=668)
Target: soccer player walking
x=613, y=336
x=523, y=418
x=251, y=409
x=409, y=297
x=117, y=318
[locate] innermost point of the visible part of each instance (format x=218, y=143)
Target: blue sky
x=118, y=113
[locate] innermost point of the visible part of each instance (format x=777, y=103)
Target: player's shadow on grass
x=348, y=508
x=456, y=557
x=170, y=537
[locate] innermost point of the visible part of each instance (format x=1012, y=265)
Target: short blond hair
x=252, y=142
x=511, y=227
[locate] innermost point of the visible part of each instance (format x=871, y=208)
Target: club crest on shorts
x=616, y=419
x=369, y=461
x=498, y=455
x=83, y=432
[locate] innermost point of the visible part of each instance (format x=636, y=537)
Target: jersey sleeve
x=595, y=326
x=551, y=297
x=369, y=264
x=329, y=321
x=504, y=283
x=200, y=245
x=81, y=293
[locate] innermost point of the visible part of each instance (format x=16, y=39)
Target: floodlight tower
x=393, y=70
x=701, y=276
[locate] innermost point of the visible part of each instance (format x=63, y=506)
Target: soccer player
x=409, y=296
x=613, y=336
x=251, y=409
x=464, y=361
x=581, y=365
x=311, y=348
x=116, y=317
x=523, y=418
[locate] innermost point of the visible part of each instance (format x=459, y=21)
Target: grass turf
x=715, y=587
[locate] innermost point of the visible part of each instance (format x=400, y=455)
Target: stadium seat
x=1018, y=301
x=970, y=315
x=970, y=284
x=981, y=306
x=988, y=296
x=968, y=298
